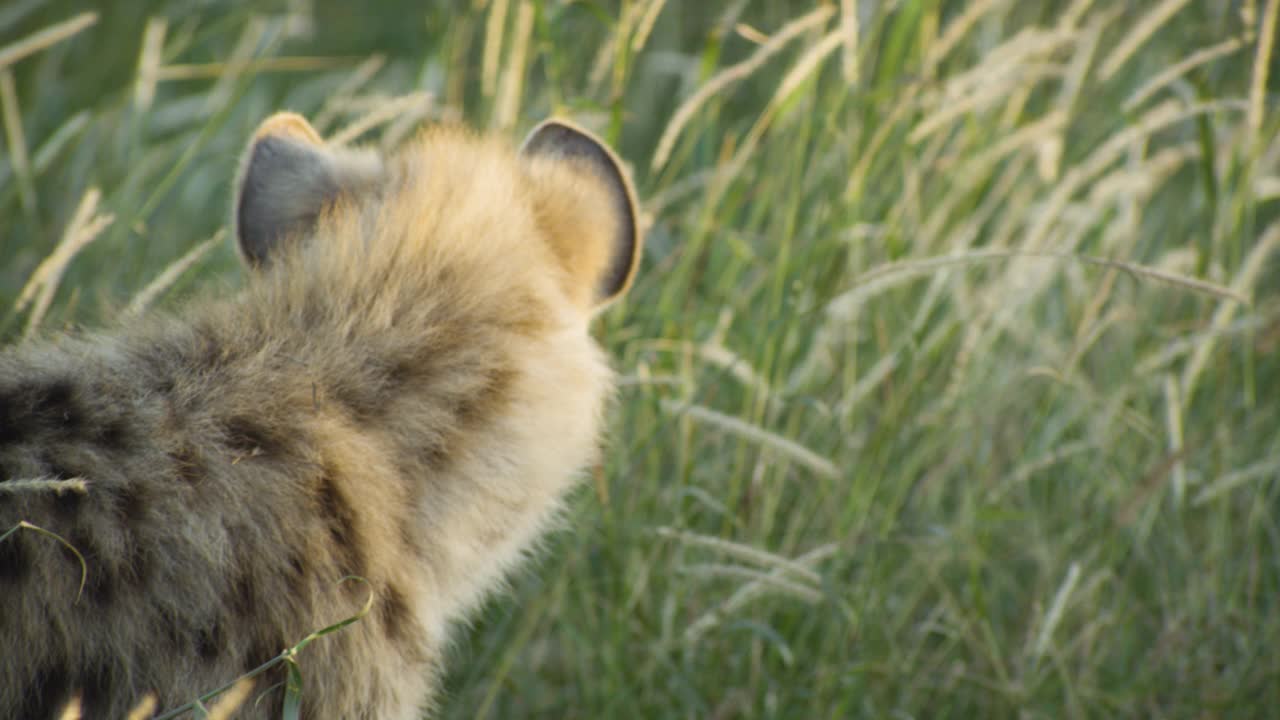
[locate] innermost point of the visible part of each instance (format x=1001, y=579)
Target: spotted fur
x=403, y=391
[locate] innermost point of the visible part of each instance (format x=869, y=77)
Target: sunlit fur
x=403, y=391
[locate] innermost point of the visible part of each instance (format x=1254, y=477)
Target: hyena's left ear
x=587, y=207
x=287, y=178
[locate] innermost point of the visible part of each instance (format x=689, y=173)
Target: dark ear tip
x=558, y=137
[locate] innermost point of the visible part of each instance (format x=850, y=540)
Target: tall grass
x=950, y=377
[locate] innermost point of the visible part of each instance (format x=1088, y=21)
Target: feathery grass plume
x=1183, y=346
x=740, y=551
x=886, y=276
x=733, y=74
x=753, y=589
x=1180, y=69
x=785, y=447
x=57, y=486
x=1173, y=427
x=1038, y=465
x=1243, y=285
x=956, y=30
x=1139, y=34
x=1053, y=616
x=781, y=584
x=1268, y=468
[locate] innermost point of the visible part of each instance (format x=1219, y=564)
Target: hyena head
x=564, y=190
x=403, y=392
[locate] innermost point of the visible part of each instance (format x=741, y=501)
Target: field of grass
x=951, y=379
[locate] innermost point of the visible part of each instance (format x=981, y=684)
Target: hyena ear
x=287, y=178
x=587, y=206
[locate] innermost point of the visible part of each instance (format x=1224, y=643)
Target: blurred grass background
x=949, y=384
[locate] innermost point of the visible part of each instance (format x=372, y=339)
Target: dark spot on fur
x=95, y=682
x=115, y=435
x=128, y=504
x=340, y=519
x=248, y=438
x=409, y=537
x=243, y=595
x=393, y=610
x=172, y=633
x=187, y=467
x=490, y=400
x=297, y=568
x=15, y=558
x=432, y=454
x=525, y=315
x=49, y=691
x=129, y=501
x=135, y=569
x=12, y=429
x=363, y=402
x=206, y=352
x=401, y=372
x=209, y=643
x=55, y=404
x=261, y=649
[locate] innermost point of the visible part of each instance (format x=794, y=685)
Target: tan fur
x=404, y=391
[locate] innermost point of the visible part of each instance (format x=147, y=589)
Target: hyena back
x=403, y=392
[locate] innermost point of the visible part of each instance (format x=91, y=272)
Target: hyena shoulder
x=392, y=408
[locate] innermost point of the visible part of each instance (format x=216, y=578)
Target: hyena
x=403, y=391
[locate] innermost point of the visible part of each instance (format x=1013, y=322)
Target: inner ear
x=585, y=155
x=285, y=185
x=287, y=180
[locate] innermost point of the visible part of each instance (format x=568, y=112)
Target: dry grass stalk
x=1139, y=34
x=16, y=140
x=493, y=31
x=85, y=225
x=170, y=275
x=1261, y=66
x=42, y=39
x=144, y=89
x=507, y=104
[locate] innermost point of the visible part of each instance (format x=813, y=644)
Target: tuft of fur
x=403, y=391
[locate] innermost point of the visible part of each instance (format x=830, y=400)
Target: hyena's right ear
x=587, y=207
x=287, y=178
